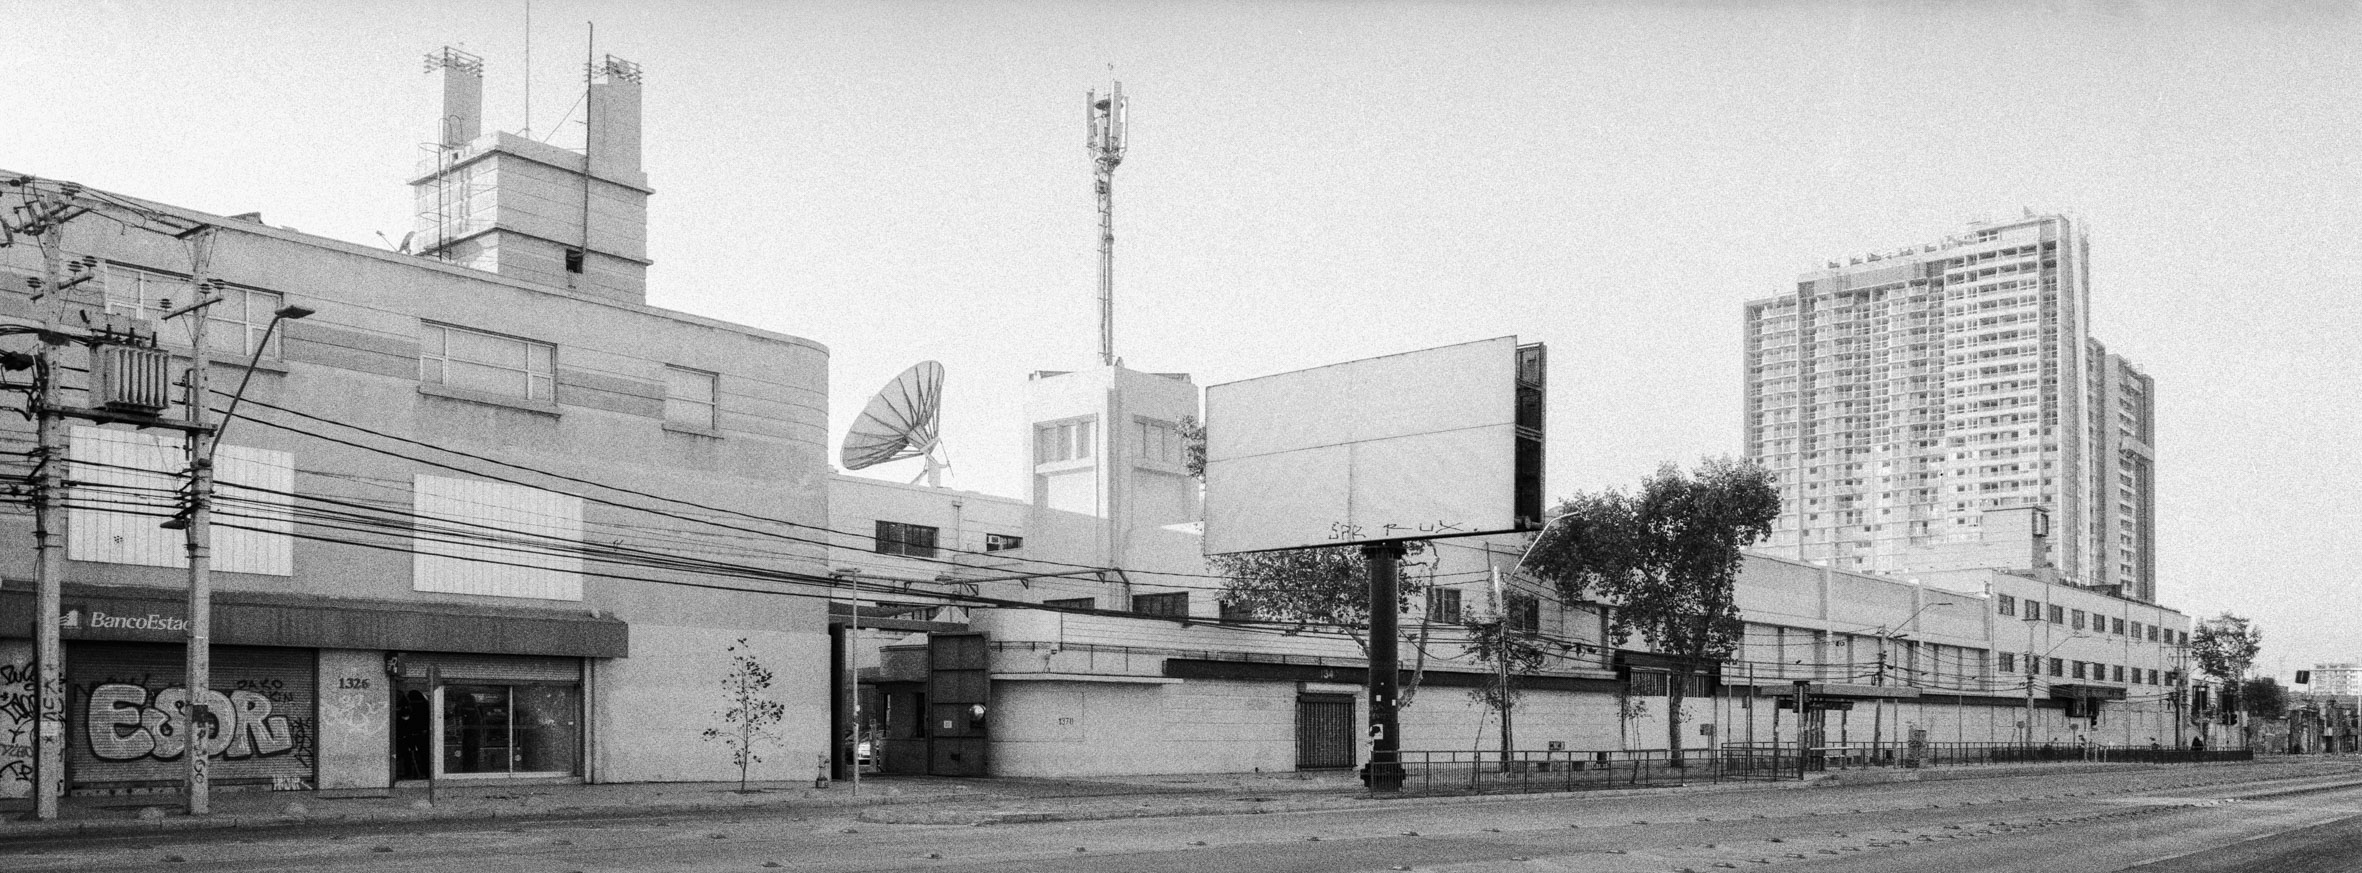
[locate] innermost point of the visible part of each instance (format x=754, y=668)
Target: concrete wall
x=355, y=723
x=651, y=710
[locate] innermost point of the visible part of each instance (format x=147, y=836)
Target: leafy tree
x=1505, y=652
x=2225, y=647
x=2263, y=697
x=1193, y=445
x=1666, y=558
x=752, y=718
x=1322, y=587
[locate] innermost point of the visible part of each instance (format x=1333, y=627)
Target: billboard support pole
x=1385, y=768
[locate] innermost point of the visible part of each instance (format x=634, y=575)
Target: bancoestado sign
x=122, y=620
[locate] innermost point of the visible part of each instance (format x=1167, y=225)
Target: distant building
x=2343, y=679
x=1903, y=398
x=424, y=564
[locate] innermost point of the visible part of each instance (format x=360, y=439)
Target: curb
x=133, y=825
x=1332, y=803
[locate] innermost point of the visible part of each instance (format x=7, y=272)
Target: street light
x=204, y=441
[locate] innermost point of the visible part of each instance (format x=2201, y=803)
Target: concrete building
x=2343, y=679
x=1138, y=668
x=484, y=515
x=1901, y=396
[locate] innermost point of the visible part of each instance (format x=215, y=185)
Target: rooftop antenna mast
x=1108, y=133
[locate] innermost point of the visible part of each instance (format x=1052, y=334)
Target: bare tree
x=752, y=718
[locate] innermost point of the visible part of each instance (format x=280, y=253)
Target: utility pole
x=201, y=724
x=1501, y=660
x=47, y=227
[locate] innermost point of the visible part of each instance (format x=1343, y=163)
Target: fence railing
x=1862, y=755
x=1478, y=772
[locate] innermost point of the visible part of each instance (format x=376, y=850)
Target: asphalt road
x=2184, y=821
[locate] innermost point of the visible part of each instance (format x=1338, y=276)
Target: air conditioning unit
x=131, y=379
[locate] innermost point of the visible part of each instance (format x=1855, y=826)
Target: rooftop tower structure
x=512, y=205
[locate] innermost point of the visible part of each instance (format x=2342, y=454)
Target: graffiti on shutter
x=128, y=715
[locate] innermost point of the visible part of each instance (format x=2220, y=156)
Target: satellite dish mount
x=902, y=422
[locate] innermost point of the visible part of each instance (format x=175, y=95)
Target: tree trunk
x=1673, y=698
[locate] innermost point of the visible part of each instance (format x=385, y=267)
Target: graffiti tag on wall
x=17, y=722
x=128, y=723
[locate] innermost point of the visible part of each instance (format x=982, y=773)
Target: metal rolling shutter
x=266, y=710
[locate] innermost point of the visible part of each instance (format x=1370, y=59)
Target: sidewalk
x=883, y=800
x=131, y=814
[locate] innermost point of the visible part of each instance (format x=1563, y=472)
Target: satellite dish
x=899, y=423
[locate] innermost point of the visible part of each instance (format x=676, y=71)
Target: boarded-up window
x=125, y=483
x=497, y=539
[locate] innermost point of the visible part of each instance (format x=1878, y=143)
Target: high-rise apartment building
x=1902, y=396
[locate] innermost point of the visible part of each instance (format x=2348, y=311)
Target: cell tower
x=1107, y=150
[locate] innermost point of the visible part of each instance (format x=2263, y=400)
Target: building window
x=1443, y=605
x=1071, y=603
x=2008, y=662
x=2136, y=630
x=691, y=397
x=996, y=542
x=2006, y=605
x=1063, y=441
x=456, y=357
x=911, y=540
x=1159, y=442
x=2058, y=667
x=1172, y=605
x=121, y=483
x=511, y=728
x=2077, y=623
x=2116, y=626
x=1525, y=614
x=232, y=326
x=2078, y=669
x=495, y=539
x=2117, y=673
x=2058, y=614
x=2033, y=610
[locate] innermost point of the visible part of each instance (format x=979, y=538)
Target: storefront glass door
x=511, y=729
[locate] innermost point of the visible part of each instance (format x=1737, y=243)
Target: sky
x=1313, y=182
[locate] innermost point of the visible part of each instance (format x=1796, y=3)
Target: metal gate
x=1324, y=731
x=958, y=691
x=128, y=731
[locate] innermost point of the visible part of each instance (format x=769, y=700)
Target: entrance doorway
x=413, y=731
x=1324, y=731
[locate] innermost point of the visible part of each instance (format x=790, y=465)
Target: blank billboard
x=1411, y=446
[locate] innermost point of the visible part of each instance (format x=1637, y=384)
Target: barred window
x=1443, y=605
x=913, y=540
x=1171, y=605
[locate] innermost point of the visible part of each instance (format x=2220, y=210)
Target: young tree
x=1666, y=559
x=752, y=717
x=1505, y=651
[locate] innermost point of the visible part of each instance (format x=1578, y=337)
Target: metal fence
x=1474, y=772
x=1863, y=755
